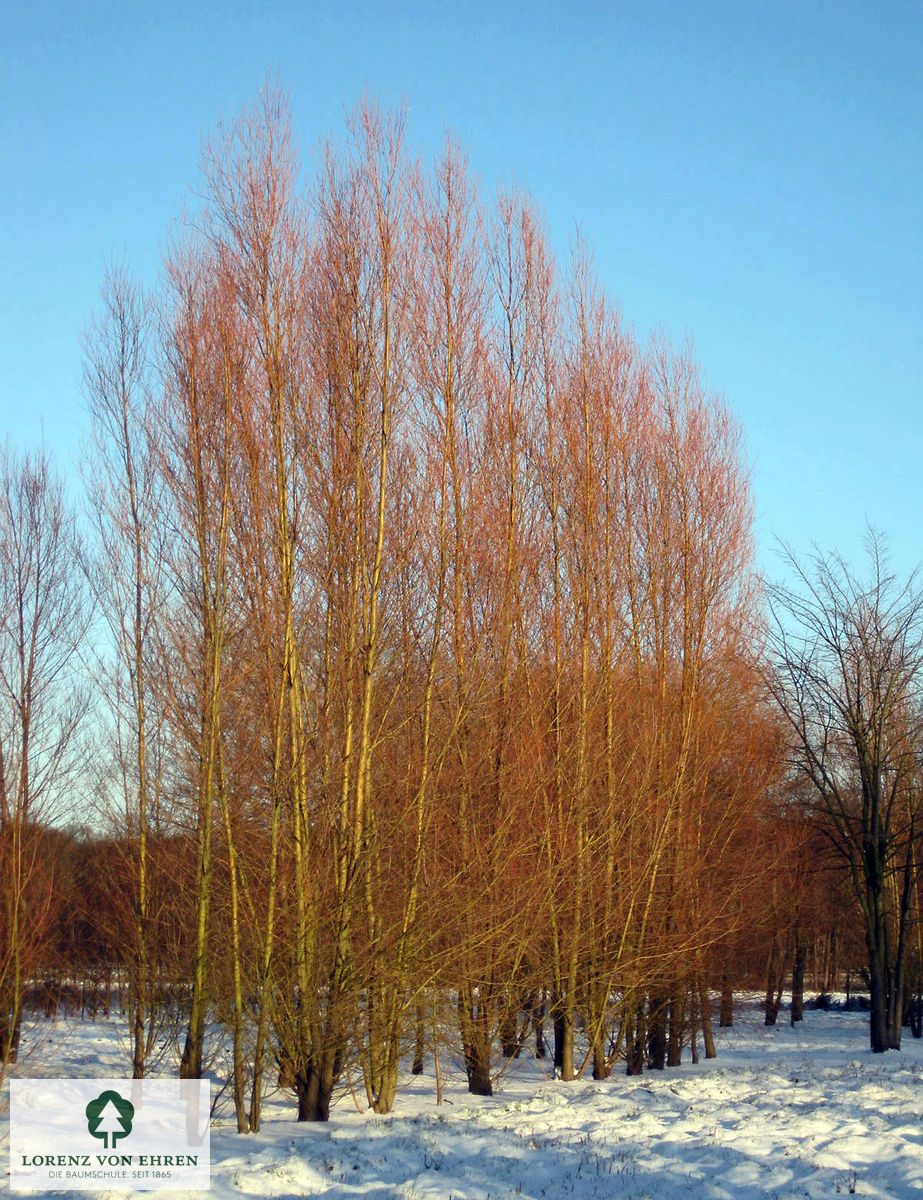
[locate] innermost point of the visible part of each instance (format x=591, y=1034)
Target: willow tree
x=203, y=369
x=255, y=227
x=127, y=574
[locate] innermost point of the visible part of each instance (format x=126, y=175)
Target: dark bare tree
x=848, y=676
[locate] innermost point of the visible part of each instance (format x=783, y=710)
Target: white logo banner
x=106, y=1134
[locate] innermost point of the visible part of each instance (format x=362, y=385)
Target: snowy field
x=780, y=1113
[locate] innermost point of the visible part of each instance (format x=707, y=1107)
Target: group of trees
x=431, y=649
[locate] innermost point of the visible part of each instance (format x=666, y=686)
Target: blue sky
x=748, y=174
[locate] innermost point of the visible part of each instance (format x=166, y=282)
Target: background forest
x=410, y=644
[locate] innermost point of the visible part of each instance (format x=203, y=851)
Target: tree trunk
x=558, y=1025
x=657, y=1032
x=314, y=1087
x=915, y=1015
x=693, y=1044
x=191, y=1065
x=419, y=1034
x=708, y=1036
x=538, y=1027
x=9, y=1039
x=676, y=1034
x=597, y=995
x=634, y=1040
x=237, y=1030
x=798, y=967
x=387, y=1083
x=568, y=1020
x=601, y=1067
x=510, y=1043
x=477, y=1065
x=774, y=974
x=879, y=1031
x=473, y=1021
x=726, y=1017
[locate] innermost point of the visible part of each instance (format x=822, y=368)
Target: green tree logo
x=110, y=1116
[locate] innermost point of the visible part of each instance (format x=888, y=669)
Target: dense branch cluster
x=457, y=625
x=433, y=646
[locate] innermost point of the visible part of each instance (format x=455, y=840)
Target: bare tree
x=848, y=675
x=126, y=573
x=204, y=372
x=43, y=617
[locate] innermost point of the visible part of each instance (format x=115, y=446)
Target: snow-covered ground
x=780, y=1113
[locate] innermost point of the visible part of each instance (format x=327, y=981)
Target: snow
x=782, y=1113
